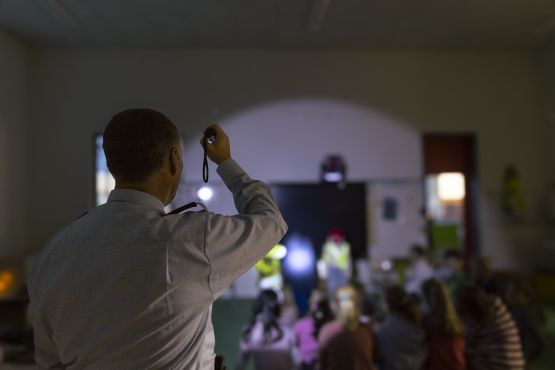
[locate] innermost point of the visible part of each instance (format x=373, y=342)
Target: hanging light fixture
x=333, y=169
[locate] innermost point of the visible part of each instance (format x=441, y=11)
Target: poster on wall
x=395, y=217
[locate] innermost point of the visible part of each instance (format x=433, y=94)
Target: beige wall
x=498, y=96
x=14, y=81
x=546, y=61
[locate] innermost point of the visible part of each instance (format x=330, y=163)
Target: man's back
x=111, y=292
x=125, y=287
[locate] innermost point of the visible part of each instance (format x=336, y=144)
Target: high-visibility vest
x=337, y=255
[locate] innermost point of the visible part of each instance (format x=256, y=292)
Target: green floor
x=231, y=314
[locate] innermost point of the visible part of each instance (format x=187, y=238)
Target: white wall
x=14, y=80
x=285, y=141
x=495, y=95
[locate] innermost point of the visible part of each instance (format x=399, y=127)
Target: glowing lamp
x=300, y=257
x=205, y=193
x=300, y=260
x=333, y=169
x=386, y=265
x=7, y=280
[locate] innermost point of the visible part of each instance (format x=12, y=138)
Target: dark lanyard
x=205, y=164
x=182, y=208
x=186, y=207
x=209, y=138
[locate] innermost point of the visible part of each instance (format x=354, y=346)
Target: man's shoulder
x=59, y=238
x=186, y=226
x=111, y=221
x=44, y=255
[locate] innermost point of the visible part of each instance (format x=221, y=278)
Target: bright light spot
x=450, y=186
x=333, y=176
x=300, y=260
x=205, y=193
x=6, y=281
x=280, y=252
x=386, y=265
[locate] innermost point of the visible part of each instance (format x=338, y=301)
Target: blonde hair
x=347, y=301
x=442, y=313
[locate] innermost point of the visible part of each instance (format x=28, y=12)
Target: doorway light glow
x=450, y=186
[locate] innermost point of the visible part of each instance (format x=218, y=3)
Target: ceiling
x=347, y=24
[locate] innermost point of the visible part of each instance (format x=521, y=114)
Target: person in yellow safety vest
x=269, y=269
x=336, y=261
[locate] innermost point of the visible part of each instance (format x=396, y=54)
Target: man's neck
x=150, y=186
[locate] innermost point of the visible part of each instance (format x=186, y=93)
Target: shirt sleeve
x=233, y=244
x=46, y=355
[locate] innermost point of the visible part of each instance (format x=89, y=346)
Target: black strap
x=209, y=138
x=182, y=208
x=205, y=163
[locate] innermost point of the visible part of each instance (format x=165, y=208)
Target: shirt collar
x=136, y=196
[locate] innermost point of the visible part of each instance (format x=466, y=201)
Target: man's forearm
x=250, y=196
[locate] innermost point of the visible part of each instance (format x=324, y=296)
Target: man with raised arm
x=127, y=286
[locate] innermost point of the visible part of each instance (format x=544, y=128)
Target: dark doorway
x=310, y=211
x=313, y=209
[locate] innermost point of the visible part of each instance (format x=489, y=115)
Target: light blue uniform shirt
x=125, y=287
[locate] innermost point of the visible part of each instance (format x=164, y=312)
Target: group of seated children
x=428, y=328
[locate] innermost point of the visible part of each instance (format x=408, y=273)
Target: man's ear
x=175, y=160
